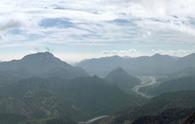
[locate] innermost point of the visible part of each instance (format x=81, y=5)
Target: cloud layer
x=95, y=26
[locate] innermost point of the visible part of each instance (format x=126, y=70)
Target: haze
x=97, y=61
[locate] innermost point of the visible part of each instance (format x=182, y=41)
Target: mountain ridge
x=42, y=64
x=156, y=64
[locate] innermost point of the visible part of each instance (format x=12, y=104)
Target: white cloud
x=179, y=52
x=136, y=53
x=126, y=52
x=144, y=23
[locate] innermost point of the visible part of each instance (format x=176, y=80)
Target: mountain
x=170, y=116
x=182, y=80
x=6, y=118
x=122, y=79
x=159, y=106
x=179, y=84
x=190, y=119
x=144, y=65
x=186, y=61
x=101, y=66
x=43, y=64
x=54, y=98
x=190, y=71
x=42, y=89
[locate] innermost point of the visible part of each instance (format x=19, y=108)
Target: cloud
x=179, y=52
x=126, y=52
x=136, y=53
x=110, y=24
x=9, y=24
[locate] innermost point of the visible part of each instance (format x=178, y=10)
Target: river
x=145, y=81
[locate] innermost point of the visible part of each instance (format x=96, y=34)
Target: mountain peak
x=42, y=60
x=42, y=57
x=118, y=72
x=122, y=79
x=157, y=54
x=192, y=55
x=39, y=54
x=43, y=64
x=160, y=56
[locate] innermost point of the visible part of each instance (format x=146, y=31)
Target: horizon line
x=89, y=58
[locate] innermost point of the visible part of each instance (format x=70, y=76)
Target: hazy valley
x=42, y=89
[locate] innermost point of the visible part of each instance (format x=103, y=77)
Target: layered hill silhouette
x=180, y=84
x=180, y=81
x=170, y=116
x=43, y=64
x=122, y=79
x=76, y=99
x=42, y=89
x=169, y=108
x=144, y=65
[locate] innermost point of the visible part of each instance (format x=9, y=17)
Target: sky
x=78, y=29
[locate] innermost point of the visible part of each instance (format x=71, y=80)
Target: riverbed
x=145, y=81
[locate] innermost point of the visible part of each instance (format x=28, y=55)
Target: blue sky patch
x=56, y=22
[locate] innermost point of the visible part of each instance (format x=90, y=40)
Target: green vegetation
x=76, y=99
x=182, y=100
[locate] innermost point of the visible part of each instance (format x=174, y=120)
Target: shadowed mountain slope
x=43, y=64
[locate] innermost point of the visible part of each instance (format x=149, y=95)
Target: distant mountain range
x=32, y=65
x=144, y=65
x=42, y=89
